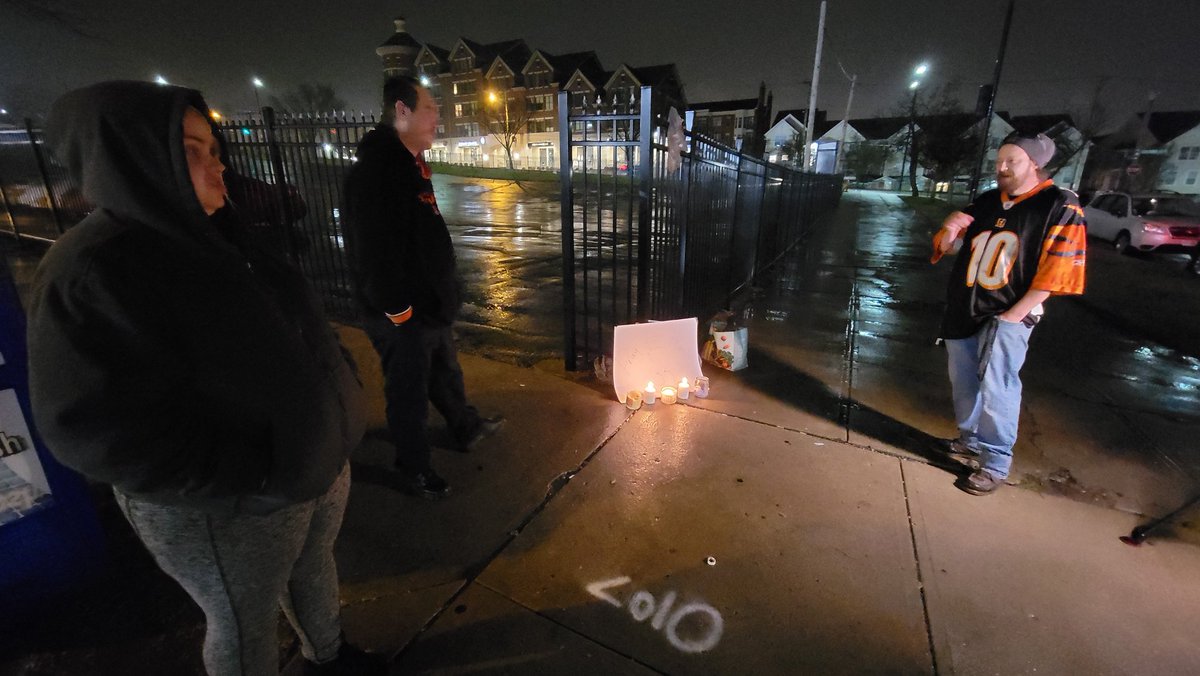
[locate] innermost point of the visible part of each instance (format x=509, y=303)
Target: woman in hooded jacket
x=195, y=373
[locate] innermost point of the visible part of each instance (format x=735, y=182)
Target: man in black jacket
x=403, y=266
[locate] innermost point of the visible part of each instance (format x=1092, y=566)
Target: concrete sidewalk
x=722, y=538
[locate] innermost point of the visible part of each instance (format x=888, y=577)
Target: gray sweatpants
x=241, y=569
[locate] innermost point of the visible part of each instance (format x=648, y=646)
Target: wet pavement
x=510, y=260
x=796, y=521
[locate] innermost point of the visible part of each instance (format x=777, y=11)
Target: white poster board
x=658, y=352
x=23, y=485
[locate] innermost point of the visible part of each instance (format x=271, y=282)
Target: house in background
x=1179, y=135
x=785, y=136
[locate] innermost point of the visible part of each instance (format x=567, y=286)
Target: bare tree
x=505, y=117
x=1090, y=120
x=945, y=141
x=309, y=98
x=866, y=160
x=794, y=149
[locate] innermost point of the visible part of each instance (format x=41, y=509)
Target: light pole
x=918, y=72
x=507, y=136
x=258, y=84
x=991, y=104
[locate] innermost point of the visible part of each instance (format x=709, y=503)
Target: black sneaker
x=350, y=661
x=958, y=451
x=487, y=427
x=426, y=484
x=980, y=482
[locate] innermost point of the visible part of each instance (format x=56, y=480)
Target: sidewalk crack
x=912, y=533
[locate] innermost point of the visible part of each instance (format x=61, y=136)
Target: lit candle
x=701, y=387
x=651, y=393
x=683, y=389
x=668, y=395
x=633, y=400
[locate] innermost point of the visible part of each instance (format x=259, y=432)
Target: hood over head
x=123, y=142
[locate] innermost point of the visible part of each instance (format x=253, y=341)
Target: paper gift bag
x=727, y=349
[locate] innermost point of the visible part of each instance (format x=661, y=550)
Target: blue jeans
x=987, y=410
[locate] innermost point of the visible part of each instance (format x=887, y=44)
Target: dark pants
x=420, y=365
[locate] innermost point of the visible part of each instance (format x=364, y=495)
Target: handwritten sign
x=658, y=352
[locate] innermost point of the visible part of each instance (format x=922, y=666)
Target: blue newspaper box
x=50, y=538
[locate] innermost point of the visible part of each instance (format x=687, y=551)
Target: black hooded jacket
x=168, y=356
x=400, y=251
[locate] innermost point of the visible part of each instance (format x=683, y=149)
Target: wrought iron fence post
x=567, y=207
x=645, y=171
x=281, y=183
x=733, y=220
x=762, y=219
x=41, y=165
x=684, y=212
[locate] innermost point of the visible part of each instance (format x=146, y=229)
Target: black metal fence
x=639, y=242
x=38, y=197
x=645, y=240
x=288, y=172
x=288, y=176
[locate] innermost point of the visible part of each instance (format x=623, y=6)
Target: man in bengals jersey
x=1024, y=242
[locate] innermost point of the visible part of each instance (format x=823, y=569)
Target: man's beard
x=1007, y=182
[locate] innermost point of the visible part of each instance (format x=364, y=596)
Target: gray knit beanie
x=1038, y=147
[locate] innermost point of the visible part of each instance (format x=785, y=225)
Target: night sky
x=1059, y=51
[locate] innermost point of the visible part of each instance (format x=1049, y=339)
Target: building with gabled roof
x=737, y=123
x=476, y=85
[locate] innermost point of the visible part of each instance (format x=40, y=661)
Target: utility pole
x=991, y=106
x=841, y=149
x=812, y=94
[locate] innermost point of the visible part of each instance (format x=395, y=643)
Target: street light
x=507, y=135
x=913, y=86
x=158, y=79
x=258, y=84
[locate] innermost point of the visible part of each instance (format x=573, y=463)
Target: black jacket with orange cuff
x=400, y=251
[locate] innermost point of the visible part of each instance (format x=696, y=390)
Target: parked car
x=1164, y=223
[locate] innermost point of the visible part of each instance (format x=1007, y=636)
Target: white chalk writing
x=693, y=627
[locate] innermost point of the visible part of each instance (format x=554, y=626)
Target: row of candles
x=668, y=394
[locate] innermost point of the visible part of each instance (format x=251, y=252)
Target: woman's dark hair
x=399, y=88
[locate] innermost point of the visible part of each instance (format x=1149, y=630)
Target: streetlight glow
x=257, y=83
x=214, y=115
x=424, y=81
x=920, y=70
x=158, y=79
x=914, y=84
x=492, y=97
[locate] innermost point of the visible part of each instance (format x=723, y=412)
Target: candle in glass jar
x=701, y=388
x=651, y=394
x=633, y=400
x=683, y=390
x=667, y=395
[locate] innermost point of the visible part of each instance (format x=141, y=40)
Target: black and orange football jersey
x=1037, y=240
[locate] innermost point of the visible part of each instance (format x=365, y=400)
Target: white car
x=1160, y=223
